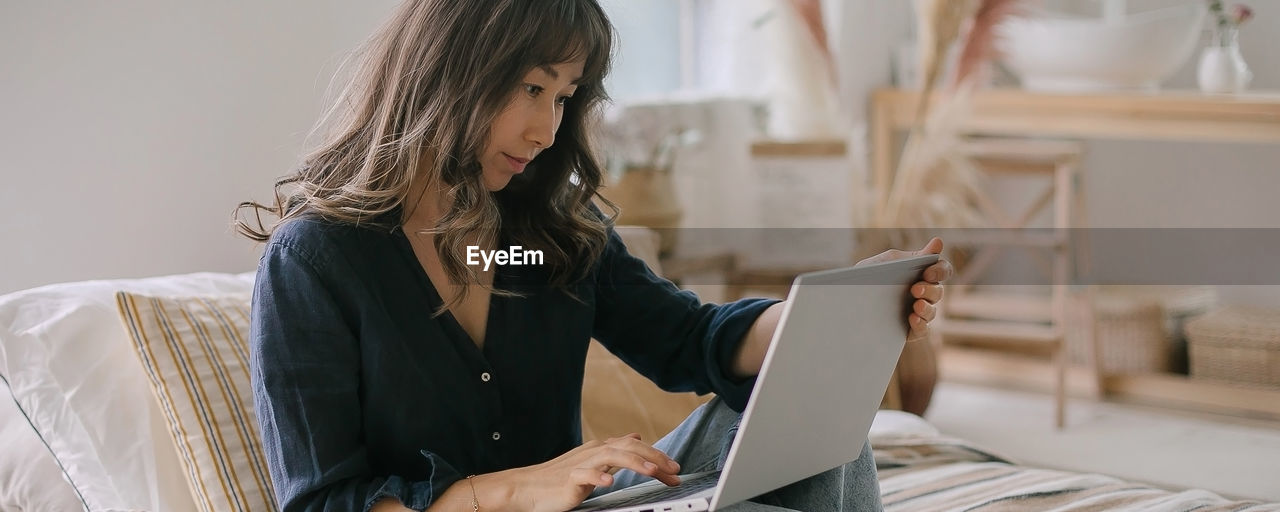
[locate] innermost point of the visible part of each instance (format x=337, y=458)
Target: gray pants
x=702, y=441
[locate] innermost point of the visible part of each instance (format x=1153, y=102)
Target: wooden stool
x=1021, y=322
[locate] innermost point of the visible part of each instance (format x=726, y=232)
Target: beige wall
x=131, y=128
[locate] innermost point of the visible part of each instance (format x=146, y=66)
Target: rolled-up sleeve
x=668, y=334
x=305, y=361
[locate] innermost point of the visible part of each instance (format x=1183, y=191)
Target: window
x=648, y=62
x=707, y=46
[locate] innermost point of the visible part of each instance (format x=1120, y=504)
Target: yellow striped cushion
x=196, y=355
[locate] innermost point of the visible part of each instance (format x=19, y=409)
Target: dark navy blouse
x=362, y=394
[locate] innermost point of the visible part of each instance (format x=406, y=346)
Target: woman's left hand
x=927, y=291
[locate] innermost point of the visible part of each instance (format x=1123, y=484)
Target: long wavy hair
x=416, y=114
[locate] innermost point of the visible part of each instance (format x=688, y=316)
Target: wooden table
x=1181, y=115
x=1253, y=117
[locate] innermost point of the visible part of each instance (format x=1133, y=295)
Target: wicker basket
x=1236, y=344
x=1131, y=336
x=1139, y=327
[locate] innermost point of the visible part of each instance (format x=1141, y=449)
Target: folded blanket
x=926, y=473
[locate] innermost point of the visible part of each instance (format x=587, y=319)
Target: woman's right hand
x=565, y=481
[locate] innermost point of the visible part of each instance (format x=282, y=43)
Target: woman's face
x=528, y=124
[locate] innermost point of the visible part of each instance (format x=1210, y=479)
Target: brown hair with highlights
x=428, y=84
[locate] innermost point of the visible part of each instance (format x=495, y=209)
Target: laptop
x=823, y=379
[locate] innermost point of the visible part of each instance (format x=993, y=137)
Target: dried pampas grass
x=979, y=46
x=938, y=25
x=935, y=185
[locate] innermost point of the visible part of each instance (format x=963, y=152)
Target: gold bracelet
x=475, y=504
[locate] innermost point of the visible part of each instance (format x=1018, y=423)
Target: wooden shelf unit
x=1252, y=117
x=1169, y=115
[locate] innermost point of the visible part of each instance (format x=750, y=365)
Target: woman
x=391, y=374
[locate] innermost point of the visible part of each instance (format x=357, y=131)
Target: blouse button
x=496, y=436
x=485, y=377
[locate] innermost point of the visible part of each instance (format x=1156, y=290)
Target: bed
x=921, y=469
x=132, y=395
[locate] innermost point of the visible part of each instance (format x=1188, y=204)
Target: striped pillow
x=196, y=356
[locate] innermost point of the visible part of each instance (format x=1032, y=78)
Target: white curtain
x=762, y=49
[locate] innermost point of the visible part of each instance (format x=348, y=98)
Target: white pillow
x=29, y=476
x=72, y=371
x=891, y=425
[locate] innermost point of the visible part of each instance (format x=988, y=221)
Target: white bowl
x=1064, y=53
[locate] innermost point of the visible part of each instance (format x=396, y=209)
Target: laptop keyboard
x=687, y=487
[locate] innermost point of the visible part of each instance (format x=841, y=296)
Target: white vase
x=1222, y=69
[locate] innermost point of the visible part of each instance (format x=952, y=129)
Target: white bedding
x=29, y=476
x=71, y=369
